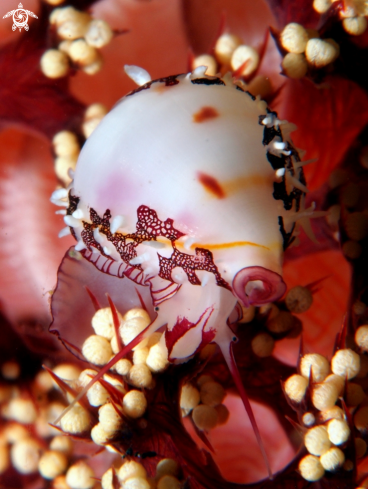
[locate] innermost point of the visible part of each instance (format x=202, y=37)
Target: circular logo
x=20, y=19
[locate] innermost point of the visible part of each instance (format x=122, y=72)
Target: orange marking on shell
x=219, y=246
x=204, y=114
x=232, y=244
x=243, y=183
x=211, y=185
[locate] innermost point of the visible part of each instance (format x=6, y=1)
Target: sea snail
x=192, y=187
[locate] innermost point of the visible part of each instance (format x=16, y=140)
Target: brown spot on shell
x=211, y=185
x=204, y=114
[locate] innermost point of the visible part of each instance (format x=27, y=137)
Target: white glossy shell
x=150, y=150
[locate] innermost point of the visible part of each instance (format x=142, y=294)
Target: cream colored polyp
x=149, y=151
